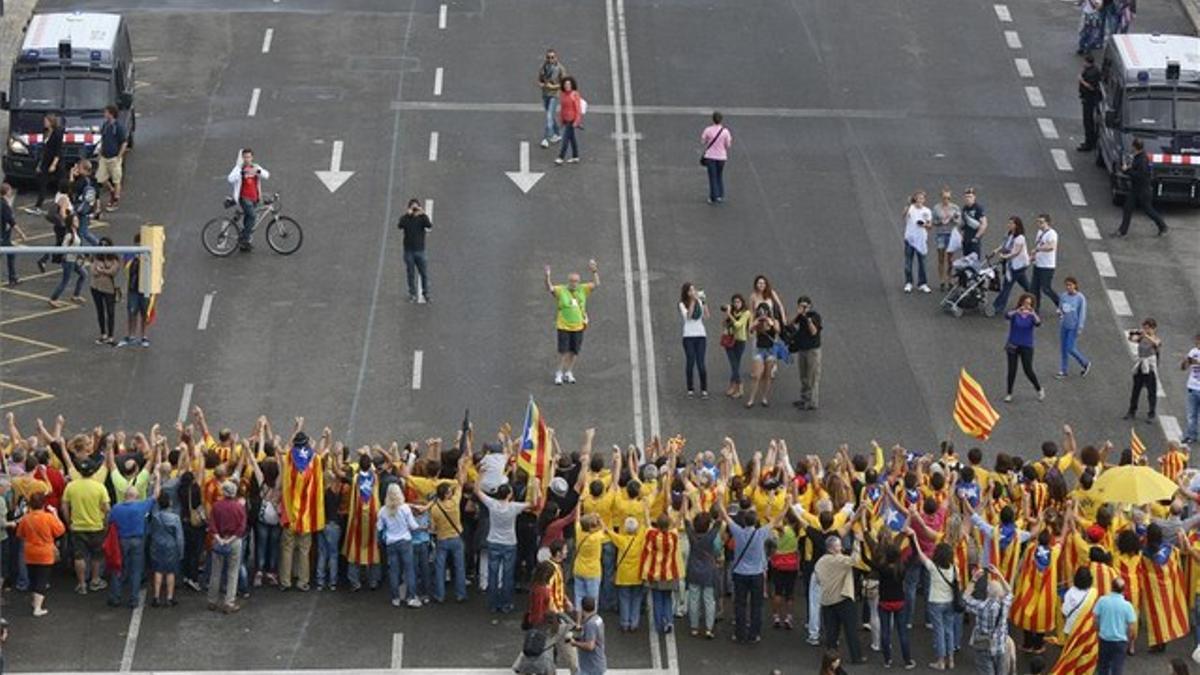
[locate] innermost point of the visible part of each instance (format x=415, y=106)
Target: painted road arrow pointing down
x=334, y=178
x=525, y=179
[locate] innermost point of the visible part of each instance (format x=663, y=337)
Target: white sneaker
x=573, y=160
x=395, y=602
x=569, y=377
x=558, y=377
x=1041, y=394
x=558, y=160
x=908, y=288
x=555, y=138
x=413, y=602
x=924, y=288
x=545, y=143
x=1008, y=398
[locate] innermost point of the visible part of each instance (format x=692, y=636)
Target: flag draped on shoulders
x=1081, y=650
x=1006, y=550
x=1164, y=595
x=972, y=411
x=660, y=556
x=361, y=544
x=1173, y=463
x=534, y=455
x=303, y=490
x=1035, y=602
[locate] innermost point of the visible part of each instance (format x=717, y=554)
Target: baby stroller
x=974, y=278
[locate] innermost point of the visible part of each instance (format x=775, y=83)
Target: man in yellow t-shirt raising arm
x=572, y=318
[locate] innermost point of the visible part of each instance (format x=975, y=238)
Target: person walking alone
x=1045, y=260
x=9, y=227
x=716, y=139
x=918, y=220
x=549, y=80
x=572, y=318
x=1072, y=315
x=1141, y=194
x=49, y=167
x=1089, y=99
x=1191, y=363
x=1021, y=322
x=807, y=343
x=694, y=311
x=1145, y=368
x=415, y=224
x=114, y=142
x=71, y=263
x=246, y=178
x=570, y=116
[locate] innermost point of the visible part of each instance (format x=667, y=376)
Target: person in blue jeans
x=396, y=525
x=1015, y=256
x=941, y=599
x=415, y=224
x=1072, y=315
x=550, y=76
x=1191, y=363
x=1116, y=623
x=423, y=557
x=447, y=519
x=502, y=542
x=129, y=517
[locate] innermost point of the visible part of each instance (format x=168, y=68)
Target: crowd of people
x=869, y=540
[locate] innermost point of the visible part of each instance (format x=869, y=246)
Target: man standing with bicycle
x=245, y=178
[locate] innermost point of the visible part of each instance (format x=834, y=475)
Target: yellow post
x=151, y=280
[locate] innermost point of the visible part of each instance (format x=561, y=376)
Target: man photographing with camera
x=415, y=223
x=805, y=342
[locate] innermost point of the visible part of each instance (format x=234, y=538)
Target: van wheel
x=1118, y=198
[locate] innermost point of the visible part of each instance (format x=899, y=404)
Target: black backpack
x=535, y=643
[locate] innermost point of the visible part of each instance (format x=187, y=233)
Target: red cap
x=1095, y=533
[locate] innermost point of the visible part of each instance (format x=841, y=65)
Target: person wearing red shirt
x=570, y=116
x=246, y=179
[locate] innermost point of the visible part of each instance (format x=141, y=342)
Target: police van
x=72, y=65
x=1150, y=89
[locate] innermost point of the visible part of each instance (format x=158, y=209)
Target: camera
x=921, y=223
x=724, y=308
x=1135, y=333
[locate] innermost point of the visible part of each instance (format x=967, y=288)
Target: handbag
x=727, y=341
x=956, y=603
x=703, y=159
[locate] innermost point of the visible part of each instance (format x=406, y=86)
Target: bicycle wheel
x=284, y=235
x=220, y=236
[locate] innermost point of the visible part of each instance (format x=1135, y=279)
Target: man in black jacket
x=1089, y=98
x=415, y=223
x=1140, y=192
x=8, y=226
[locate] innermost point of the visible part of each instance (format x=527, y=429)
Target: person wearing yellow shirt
x=629, y=540
x=589, y=540
x=85, y=506
x=572, y=318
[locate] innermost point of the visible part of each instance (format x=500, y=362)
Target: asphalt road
x=838, y=111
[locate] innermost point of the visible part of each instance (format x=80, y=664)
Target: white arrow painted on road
x=525, y=179
x=334, y=178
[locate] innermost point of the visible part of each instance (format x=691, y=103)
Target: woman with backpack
x=267, y=528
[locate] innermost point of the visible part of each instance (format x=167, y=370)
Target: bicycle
x=221, y=235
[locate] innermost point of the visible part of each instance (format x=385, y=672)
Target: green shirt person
x=571, y=318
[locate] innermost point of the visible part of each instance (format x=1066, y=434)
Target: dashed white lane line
x=267, y=37
x=185, y=402
x=418, y=365
x=1104, y=264
x=1170, y=427
x=1060, y=159
x=433, y=146
x=254, y=102
x=437, y=81
x=1120, y=303
x=1049, y=131
x=1012, y=39
x=135, y=627
x=397, y=650
x=1090, y=231
x=205, y=310
x=1075, y=194
x=442, y=17
x=1002, y=13
x=1023, y=68
x=1035, y=97
x=429, y=208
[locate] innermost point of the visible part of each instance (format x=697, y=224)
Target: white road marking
x=523, y=178
x=267, y=36
x=1090, y=231
x=1035, y=97
x=254, y=102
x=418, y=363
x=433, y=146
x=442, y=17
x=1061, y=162
x=1160, y=390
x=672, y=110
x=397, y=650
x=185, y=402
x=437, y=81
x=1049, y=131
x=1023, y=68
x=1013, y=40
x=1120, y=303
x=131, y=637
x=1104, y=264
x=1075, y=194
x=351, y=671
x=334, y=178
x=1170, y=427
x=205, y=309
x=1003, y=14
x=429, y=208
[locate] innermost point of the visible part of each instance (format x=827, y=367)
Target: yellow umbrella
x=1135, y=485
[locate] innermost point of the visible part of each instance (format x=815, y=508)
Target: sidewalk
x=12, y=32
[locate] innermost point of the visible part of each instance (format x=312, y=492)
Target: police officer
x=1089, y=97
x=1140, y=193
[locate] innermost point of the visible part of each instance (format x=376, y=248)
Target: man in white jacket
x=246, y=179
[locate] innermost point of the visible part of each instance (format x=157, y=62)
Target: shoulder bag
x=703, y=159
x=956, y=603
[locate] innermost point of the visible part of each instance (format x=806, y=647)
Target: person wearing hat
x=227, y=525
x=85, y=505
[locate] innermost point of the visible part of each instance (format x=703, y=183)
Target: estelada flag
x=534, y=454
x=974, y=415
x=303, y=489
x=1136, y=446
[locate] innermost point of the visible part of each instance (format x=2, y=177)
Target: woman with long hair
x=395, y=525
x=831, y=663
x=918, y=220
x=694, y=311
x=765, y=329
x=733, y=339
x=570, y=117
x=764, y=292
x=885, y=562
x=1015, y=256
x=1021, y=323
x=104, y=293
x=71, y=263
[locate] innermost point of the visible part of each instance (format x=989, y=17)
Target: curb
x=1192, y=8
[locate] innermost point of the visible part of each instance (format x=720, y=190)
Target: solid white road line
x=185, y=402
x=1061, y=162
x=205, y=309
x=442, y=17
x=433, y=146
x=131, y=637
x=1002, y=13
x=1120, y=303
x=267, y=36
x=1075, y=194
x=1170, y=427
x=418, y=364
x=1104, y=264
x=1090, y=231
x=1035, y=97
x=1023, y=68
x=351, y=671
x=429, y=208
x=673, y=110
x=437, y=81
x=1013, y=40
x=1049, y=131
x=397, y=650
x=1161, y=390
x=254, y=102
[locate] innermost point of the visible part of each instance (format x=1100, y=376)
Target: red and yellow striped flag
x=1136, y=446
x=974, y=415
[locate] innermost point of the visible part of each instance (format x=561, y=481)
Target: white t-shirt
x=940, y=580
x=915, y=235
x=491, y=471
x=692, y=327
x=1071, y=601
x=1193, y=381
x=1046, y=259
x=1021, y=260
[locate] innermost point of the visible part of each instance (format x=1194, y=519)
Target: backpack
x=535, y=643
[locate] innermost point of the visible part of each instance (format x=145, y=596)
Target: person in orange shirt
x=38, y=529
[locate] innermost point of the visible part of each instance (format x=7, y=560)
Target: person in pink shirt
x=716, y=139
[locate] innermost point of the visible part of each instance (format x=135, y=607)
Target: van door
x=1112, y=90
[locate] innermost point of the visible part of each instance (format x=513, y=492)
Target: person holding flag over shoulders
x=303, y=504
x=361, y=543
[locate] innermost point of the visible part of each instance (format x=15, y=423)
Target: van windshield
x=56, y=93
x=1164, y=114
